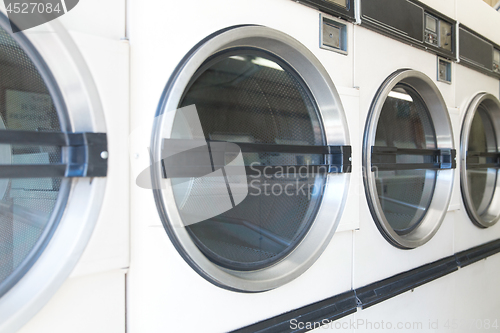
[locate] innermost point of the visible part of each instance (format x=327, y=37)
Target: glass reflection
x=405, y=195
x=26, y=205
x=481, y=181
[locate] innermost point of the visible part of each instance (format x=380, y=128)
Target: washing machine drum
x=255, y=126
x=480, y=160
x=407, y=159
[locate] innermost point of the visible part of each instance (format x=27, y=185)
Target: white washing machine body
x=166, y=288
x=80, y=274
x=470, y=87
x=476, y=88
x=473, y=89
x=472, y=84
x=381, y=64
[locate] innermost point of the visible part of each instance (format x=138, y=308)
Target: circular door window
x=41, y=161
x=254, y=99
x=480, y=160
x=250, y=162
x=408, y=152
x=30, y=206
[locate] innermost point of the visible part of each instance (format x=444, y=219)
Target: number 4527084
x=33, y=7
x=473, y=324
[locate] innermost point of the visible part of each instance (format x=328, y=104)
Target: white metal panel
x=476, y=296
x=94, y=17
x=163, y=292
x=108, y=61
x=447, y=7
x=94, y=303
x=469, y=83
x=376, y=259
x=165, y=50
x=424, y=309
x=101, y=18
x=377, y=56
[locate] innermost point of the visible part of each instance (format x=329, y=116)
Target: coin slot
x=333, y=35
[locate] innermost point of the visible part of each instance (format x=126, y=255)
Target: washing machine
x=408, y=148
x=64, y=221
x=477, y=98
x=219, y=104
x=477, y=93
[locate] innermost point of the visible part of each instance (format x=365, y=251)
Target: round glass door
x=407, y=156
x=405, y=123
x=251, y=98
x=49, y=113
x=244, y=206
x=30, y=207
x=480, y=160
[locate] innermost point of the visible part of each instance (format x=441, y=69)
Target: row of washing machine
x=205, y=166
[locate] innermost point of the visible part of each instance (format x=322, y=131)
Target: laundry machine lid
x=408, y=157
x=253, y=151
x=480, y=159
x=48, y=152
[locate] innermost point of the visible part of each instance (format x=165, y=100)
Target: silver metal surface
x=444, y=71
x=434, y=215
x=332, y=114
x=333, y=35
x=488, y=212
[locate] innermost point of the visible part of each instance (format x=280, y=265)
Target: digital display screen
x=342, y=3
x=430, y=23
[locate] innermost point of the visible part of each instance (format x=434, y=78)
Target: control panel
x=412, y=22
x=431, y=29
x=438, y=32
x=496, y=61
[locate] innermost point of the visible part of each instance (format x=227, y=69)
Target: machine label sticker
x=28, y=110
